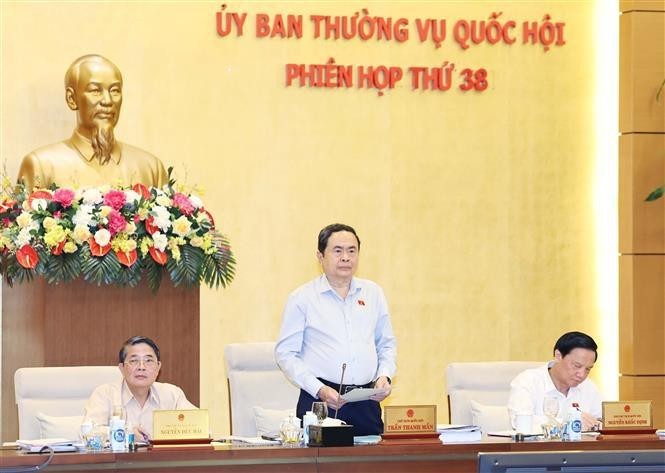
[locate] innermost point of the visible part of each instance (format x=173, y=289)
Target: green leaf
x=153, y=273
x=655, y=194
x=187, y=271
x=219, y=267
x=128, y=276
x=99, y=269
x=61, y=268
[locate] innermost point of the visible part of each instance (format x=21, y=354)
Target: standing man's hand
x=330, y=396
x=382, y=383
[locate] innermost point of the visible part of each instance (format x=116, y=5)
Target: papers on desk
x=248, y=440
x=56, y=444
x=449, y=433
x=660, y=433
x=366, y=439
x=362, y=394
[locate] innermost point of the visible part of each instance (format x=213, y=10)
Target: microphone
x=341, y=382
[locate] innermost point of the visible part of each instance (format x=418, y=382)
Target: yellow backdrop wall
x=475, y=209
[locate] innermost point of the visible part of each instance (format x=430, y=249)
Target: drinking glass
x=320, y=410
x=551, y=429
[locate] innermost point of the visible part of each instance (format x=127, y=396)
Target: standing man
x=92, y=156
x=333, y=320
x=138, y=393
x=564, y=379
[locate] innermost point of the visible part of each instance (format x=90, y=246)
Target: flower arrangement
x=111, y=235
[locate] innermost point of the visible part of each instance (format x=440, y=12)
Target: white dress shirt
x=321, y=331
x=162, y=396
x=530, y=387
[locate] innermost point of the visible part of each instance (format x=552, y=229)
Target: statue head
x=93, y=88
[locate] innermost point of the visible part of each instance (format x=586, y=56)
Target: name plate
x=190, y=424
x=410, y=419
x=627, y=415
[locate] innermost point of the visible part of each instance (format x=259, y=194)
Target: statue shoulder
x=38, y=166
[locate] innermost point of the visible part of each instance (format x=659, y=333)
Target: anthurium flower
x=126, y=258
x=97, y=249
x=57, y=250
x=160, y=257
x=142, y=190
x=42, y=196
x=64, y=197
x=27, y=257
x=150, y=226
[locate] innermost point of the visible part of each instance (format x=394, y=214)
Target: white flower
x=196, y=201
x=182, y=226
x=83, y=215
x=131, y=196
x=163, y=200
x=102, y=237
x=92, y=196
x=162, y=217
x=160, y=241
x=23, y=237
x=38, y=204
x=130, y=228
x=25, y=220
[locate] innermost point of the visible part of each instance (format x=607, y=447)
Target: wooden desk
x=412, y=457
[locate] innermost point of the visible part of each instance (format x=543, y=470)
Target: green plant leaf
x=655, y=194
x=99, y=269
x=219, y=267
x=153, y=273
x=61, y=268
x=187, y=271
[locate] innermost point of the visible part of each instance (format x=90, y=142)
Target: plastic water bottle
x=117, y=434
x=575, y=423
x=308, y=419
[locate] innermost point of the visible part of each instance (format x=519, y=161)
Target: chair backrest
x=254, y=379
x=484, y=382
x=56, y=391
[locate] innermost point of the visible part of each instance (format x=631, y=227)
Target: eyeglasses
x=148, y=363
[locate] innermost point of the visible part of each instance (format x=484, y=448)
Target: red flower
x=40, y=194
x=142, y=190
x=158, y=256
x=27, y=257
x=117, y=222
x=64, y=197
x=6, y=205
x=212, y=220
x=150, y=226
x=182, y=202
x=57, y=250
x=126, y=258
x=115, y=199
x=97, y=250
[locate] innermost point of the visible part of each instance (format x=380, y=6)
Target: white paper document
x=362, y=394
x=56, y=444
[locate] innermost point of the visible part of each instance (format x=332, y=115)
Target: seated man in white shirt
x=564, y=379
x=138, y=393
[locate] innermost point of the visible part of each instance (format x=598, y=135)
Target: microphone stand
x=341, y=382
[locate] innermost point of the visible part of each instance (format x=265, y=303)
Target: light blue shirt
x=321, y=331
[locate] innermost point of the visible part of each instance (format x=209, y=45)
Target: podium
x=78, y=323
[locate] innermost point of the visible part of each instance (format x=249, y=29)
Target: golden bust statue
x=92, y=156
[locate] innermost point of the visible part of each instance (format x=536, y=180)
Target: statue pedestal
x=78, y=324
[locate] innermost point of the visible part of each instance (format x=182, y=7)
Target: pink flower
x=115, y=199
x=64, y=197
x=117, y=222
x=182, y=202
